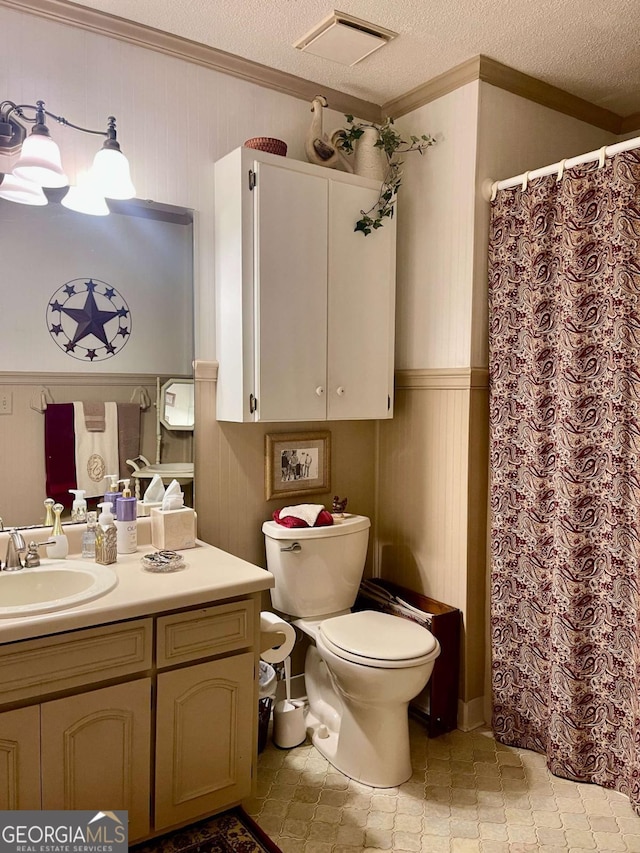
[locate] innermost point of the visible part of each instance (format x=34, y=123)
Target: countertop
x=210, y=575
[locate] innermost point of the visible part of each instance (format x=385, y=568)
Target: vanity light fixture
x=39, y=163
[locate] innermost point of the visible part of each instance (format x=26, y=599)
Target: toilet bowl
x=362, y=668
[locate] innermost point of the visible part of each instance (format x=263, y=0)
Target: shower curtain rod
x=490, y=188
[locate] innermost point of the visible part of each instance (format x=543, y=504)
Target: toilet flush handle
x=295, y=547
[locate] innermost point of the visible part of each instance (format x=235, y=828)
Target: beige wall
x=433, y=457
x=175, y=119
x=421, y=476
x=230, y=474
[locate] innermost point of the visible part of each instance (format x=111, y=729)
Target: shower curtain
x=564, y=335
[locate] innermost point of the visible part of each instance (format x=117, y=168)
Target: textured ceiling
x=584, y=48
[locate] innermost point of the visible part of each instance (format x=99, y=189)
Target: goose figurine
x=319, y=147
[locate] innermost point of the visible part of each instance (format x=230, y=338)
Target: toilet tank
x=317, y=569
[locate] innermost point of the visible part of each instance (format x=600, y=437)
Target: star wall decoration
x=88, y=319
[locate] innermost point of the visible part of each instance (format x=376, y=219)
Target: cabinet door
x=361, y=307
x=20, y=759
x=205, y=738
x=96, y=752
x=291, y=294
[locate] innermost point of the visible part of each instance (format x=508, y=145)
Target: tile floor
x=467, y=793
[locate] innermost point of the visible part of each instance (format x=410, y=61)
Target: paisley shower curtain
x=565, y=494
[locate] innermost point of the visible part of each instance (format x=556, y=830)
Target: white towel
x=305, y=512
x=96, y=452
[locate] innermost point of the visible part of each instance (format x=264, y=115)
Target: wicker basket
x=267, y=143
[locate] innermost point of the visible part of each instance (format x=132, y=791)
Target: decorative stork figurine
x=319, y=147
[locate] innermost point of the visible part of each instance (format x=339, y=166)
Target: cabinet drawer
x=202, y=633
x=37, y=667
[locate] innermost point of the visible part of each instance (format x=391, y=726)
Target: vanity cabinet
x=20, y=759
x=204, y=739
x=305, y=306
x=96, y=749
x=184, y=698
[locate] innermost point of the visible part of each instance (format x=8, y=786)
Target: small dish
x=162, y=562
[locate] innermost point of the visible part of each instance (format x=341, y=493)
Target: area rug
x=231, y=832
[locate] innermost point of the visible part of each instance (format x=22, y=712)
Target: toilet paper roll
x=272, y=624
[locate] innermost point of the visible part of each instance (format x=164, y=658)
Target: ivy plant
x=390, y=141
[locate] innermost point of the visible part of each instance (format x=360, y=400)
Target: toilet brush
x=287, y=678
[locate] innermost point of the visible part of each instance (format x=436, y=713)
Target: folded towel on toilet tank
x=303, y=515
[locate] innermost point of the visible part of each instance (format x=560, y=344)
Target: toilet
x=362, y=668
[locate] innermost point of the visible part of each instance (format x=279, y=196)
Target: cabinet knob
x=340, y=391
x=319, y=390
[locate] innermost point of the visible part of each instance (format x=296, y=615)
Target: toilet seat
x=378, y=639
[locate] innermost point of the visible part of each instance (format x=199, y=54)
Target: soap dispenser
x=60, y=547
x=126, y=521
x=106, y=536
x=112, y=494
x=79, y=505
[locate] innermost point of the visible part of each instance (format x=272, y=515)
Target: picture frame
x=297, y=464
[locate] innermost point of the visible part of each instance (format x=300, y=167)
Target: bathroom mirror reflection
x=136, y=265
x=176, y=404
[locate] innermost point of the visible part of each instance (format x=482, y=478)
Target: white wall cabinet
x=193, y=703
x=305, y=306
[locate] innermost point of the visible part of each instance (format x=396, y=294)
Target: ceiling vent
x=344, y=39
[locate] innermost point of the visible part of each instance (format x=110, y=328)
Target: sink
x=55, y=585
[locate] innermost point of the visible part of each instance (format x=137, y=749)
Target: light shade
x=83, y=198
x=40, y=162
x=110, y=174
x=13, y=188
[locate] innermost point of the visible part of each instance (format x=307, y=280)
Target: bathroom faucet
x=15, y=547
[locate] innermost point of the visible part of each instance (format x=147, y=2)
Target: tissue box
x=173, y=529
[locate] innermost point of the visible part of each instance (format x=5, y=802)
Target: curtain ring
x=601, y=158
x=560, y=170
x=494, y=190
x=525, y=181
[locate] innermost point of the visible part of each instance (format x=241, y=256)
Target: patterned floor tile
x=467, y=793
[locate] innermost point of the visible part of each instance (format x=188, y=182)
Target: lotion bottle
x=60, y=547
x=126, y=521
x=106, y=536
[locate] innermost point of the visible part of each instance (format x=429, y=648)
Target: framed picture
x=297, y=464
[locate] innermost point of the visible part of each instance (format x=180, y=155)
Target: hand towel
x=59, y=452
x=94, y=416
x=303, y=515
x=96, y=453
x=128, y=435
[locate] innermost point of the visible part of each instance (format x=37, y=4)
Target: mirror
x=176, y=404
x=141, y=259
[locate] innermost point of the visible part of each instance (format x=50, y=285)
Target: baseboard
x=471, y=714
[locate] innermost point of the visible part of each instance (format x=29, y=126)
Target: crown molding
x=630, y=124
x=504, y=77
x=433, y=89
x=478, y=68
x=140, y=35
x=517, y=83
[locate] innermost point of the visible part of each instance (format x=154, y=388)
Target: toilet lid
x=378, y=636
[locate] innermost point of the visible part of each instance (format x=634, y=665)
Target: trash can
x=267, y=691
